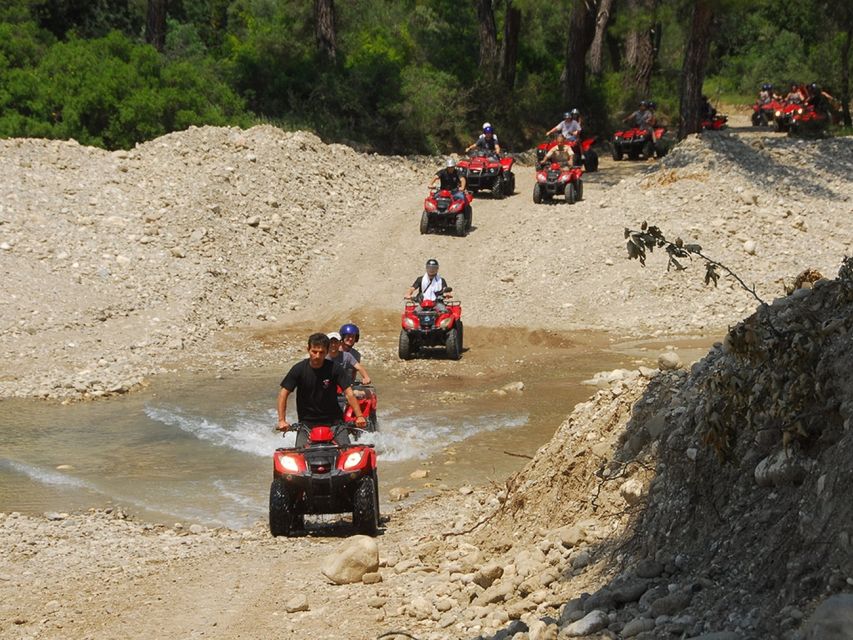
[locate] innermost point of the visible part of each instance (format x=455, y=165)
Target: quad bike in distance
x=424, y=325
x=716, y=123
x=637, y=141
x=488, y=170
x=584, y=154
x=326, y=474
x=764, y=112
x=784, y=115
x=811, y=122
x=442, y=211
x=558, y=180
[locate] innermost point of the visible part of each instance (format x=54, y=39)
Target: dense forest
x=398, y=76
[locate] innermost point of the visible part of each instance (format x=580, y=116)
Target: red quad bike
x=764, y=112
x=584, y=155
x=441, y=211
x=784, y=115
x=427, y=327
x=324, y=477
x=636, y=141
x=556, y=180
x=716, y=123
x=810, y=123
x=488, y=170
x=366, y=396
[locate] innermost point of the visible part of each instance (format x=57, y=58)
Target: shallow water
x=197, y=449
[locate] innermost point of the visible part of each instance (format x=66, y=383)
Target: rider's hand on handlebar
x=283, y=425
x=361, y=422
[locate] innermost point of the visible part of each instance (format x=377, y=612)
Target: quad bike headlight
x=445, y=322
x=289, y=463
x=408, y=323
x=778, y=113
x=429, y=206
x=353, y=459
x=541, y=177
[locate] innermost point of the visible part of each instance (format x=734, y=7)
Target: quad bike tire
x=469, y=217
x=759, y=119
x=460, y=329
x=590, y=161
x=453, y=345
x=461, y=225
x=283, y=520
x=499, y=190
x=404, y=349
x=537, y=194
x=571, y=193
x=617, y=152
x=365, y=507
x=579, y=190
x=372, y=423
x=648, y=149
x=511, y=184
x=424, y=223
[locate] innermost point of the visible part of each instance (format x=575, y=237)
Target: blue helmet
x=349, y=329
x=488, y=130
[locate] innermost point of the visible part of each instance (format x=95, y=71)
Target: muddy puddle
x=197, y=448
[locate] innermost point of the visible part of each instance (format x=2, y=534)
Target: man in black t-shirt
x=429, y=286
x=450, y=179
x=316, y=381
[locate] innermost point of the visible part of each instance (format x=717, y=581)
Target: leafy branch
x=650, y=237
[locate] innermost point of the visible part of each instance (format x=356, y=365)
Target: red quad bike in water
x=584, y=154
x=428, y=327
x=716, y=123
x=441, y=211
x=557, y=180
x=323, y=476
x=365, y=394
x=488, y=170
x=764, y=112
x=636, y=141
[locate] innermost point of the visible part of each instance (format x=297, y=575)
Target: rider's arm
x=365, y=378
x=434, y=178
x=497, y=148
x=353, y=402
x=283, y=394
x=463, y=182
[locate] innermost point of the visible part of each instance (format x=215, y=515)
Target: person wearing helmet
x=640, y=117
x=819, y=99
x=450, y=179
x=349, y=336
x=430, y=286
x=766, y=93
x=569, y=127
x=488, y=140
x=315, y=380
x=795, y=95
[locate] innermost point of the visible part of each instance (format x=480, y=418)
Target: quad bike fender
x=506, y=163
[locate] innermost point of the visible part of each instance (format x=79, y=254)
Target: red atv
x=324, y=474
x=441, y=211
x=366, y=396
x=584, y=156
x=716, y=123
x=558, y=180
x=764, y=112
x=784, y=115
x=635, y=142
x=488, y=170
x=810, y=122
x=424, y=325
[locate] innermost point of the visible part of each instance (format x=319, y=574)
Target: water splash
x=45, y=476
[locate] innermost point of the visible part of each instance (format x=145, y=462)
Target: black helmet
x=767, y=86
x=567, y=115
x=651, y=104
x=644, y=103
x=814, y=87
x=575, y=113
x=432, y=262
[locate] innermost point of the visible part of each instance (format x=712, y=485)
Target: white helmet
x=487, y=125
x=450, y=162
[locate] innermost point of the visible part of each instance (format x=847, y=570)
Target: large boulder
x=354, y=558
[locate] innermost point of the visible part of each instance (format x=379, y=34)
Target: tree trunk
x=325, y=31
x=693, y=72
x=640, y=50
x=509, y=52
x=596, y=50
x=845, y=78
x=581, y=33
x=155, y=24
x=488, y=39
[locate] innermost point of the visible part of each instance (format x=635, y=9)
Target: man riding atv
x=569, y=127
x=346, y=359
x=644, y=118
x=450, y=180
x=561, y=152
x=429, y=286
x=316, y=381
x=488, y=140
